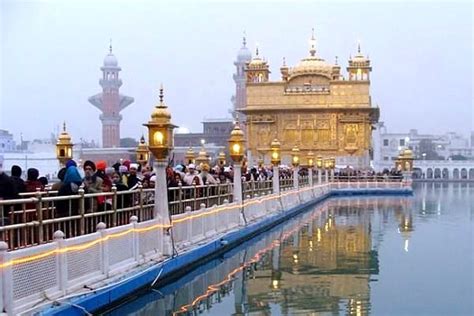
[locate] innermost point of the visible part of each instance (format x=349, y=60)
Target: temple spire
x=358, y=46
x=312, y=44
x=244, y=40
x=64, y=126
x=161, y=93
x=110, y=46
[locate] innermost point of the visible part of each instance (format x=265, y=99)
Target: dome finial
x=312, y=44
x=256, y=50
x=161, y=93
x=110, y=46
x=64, y=126
x=244, y=40
x=336, y=60
x=358, y=46
x=284, y=61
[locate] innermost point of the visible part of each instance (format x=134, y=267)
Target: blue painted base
x=177, y=266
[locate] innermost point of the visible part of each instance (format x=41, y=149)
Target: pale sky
x=51, y=52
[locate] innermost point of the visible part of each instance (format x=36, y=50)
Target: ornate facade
x=313, y=107
x=110, y=102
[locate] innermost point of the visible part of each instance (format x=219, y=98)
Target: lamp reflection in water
x=405, y=228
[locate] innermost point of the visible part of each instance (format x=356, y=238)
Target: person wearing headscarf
x=61, y=174
x=7, y=192
x=17, y=180
x=133, y=180
x=71, y=184
x=71, y=163
x=32, y=183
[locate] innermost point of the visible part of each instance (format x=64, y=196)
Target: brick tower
x=110, y=102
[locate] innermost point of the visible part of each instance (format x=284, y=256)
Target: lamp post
x=142, y=152
x=275, y=149
x=236, y=149
x=319, y=166
x=327, y=164
x=64, y=147
x=160, y=136
x=310, y=158
x=295, y=161
x=221, y=159
x=202, y=157
x=190, y=156
x=332, y=166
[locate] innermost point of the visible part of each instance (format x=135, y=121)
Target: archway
x=456, y=173
x=463, y=173
x=429, y=173
x=437, y=173
x=445, y=174
x=471, y=173
x=417, y=173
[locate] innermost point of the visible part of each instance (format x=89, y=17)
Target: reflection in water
x=323, y=261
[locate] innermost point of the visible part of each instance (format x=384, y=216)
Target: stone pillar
x=160, y=210
x=276, y=180
x=320, y=180
x=310, y=175
x=295, y=178
x=237, y=183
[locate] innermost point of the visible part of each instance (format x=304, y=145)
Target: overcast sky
x=51, y=52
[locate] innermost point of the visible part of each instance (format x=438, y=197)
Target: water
x=348, y=256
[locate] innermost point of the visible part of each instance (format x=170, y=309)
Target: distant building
x=215, y=131
x=110, y=102
x=387, y=145
x=6, y=141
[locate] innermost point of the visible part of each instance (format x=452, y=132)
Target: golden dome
x=257, y=61
x=237, y=131
x=64, y=137
x=312, y=65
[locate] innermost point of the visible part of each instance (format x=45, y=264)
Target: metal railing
x=32, y=221
x=253, y=188
x=303, y=181
x=286, y=183
x=193, y=196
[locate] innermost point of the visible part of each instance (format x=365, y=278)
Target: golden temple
x=313, y=107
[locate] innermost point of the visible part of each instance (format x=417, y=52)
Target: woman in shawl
x=71, y=183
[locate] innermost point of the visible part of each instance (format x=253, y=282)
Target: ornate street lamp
x=64, y=147
x=236, y=149
x=276, y=159
x=295, y=161
x=202, y=157
x=142, y=152
x=310, y=158
x=295, y=156
x=160, y=130
x=332, y=162
x=236, y=144
x=221, y=159
x=190, y=156
x=275, y=148
x=319, y=162
x=160, y=137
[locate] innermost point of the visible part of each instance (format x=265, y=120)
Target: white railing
x=47, y=272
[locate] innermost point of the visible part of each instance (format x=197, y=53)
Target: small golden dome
x=237, y=131
x=161, y=110
x=64, y=137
